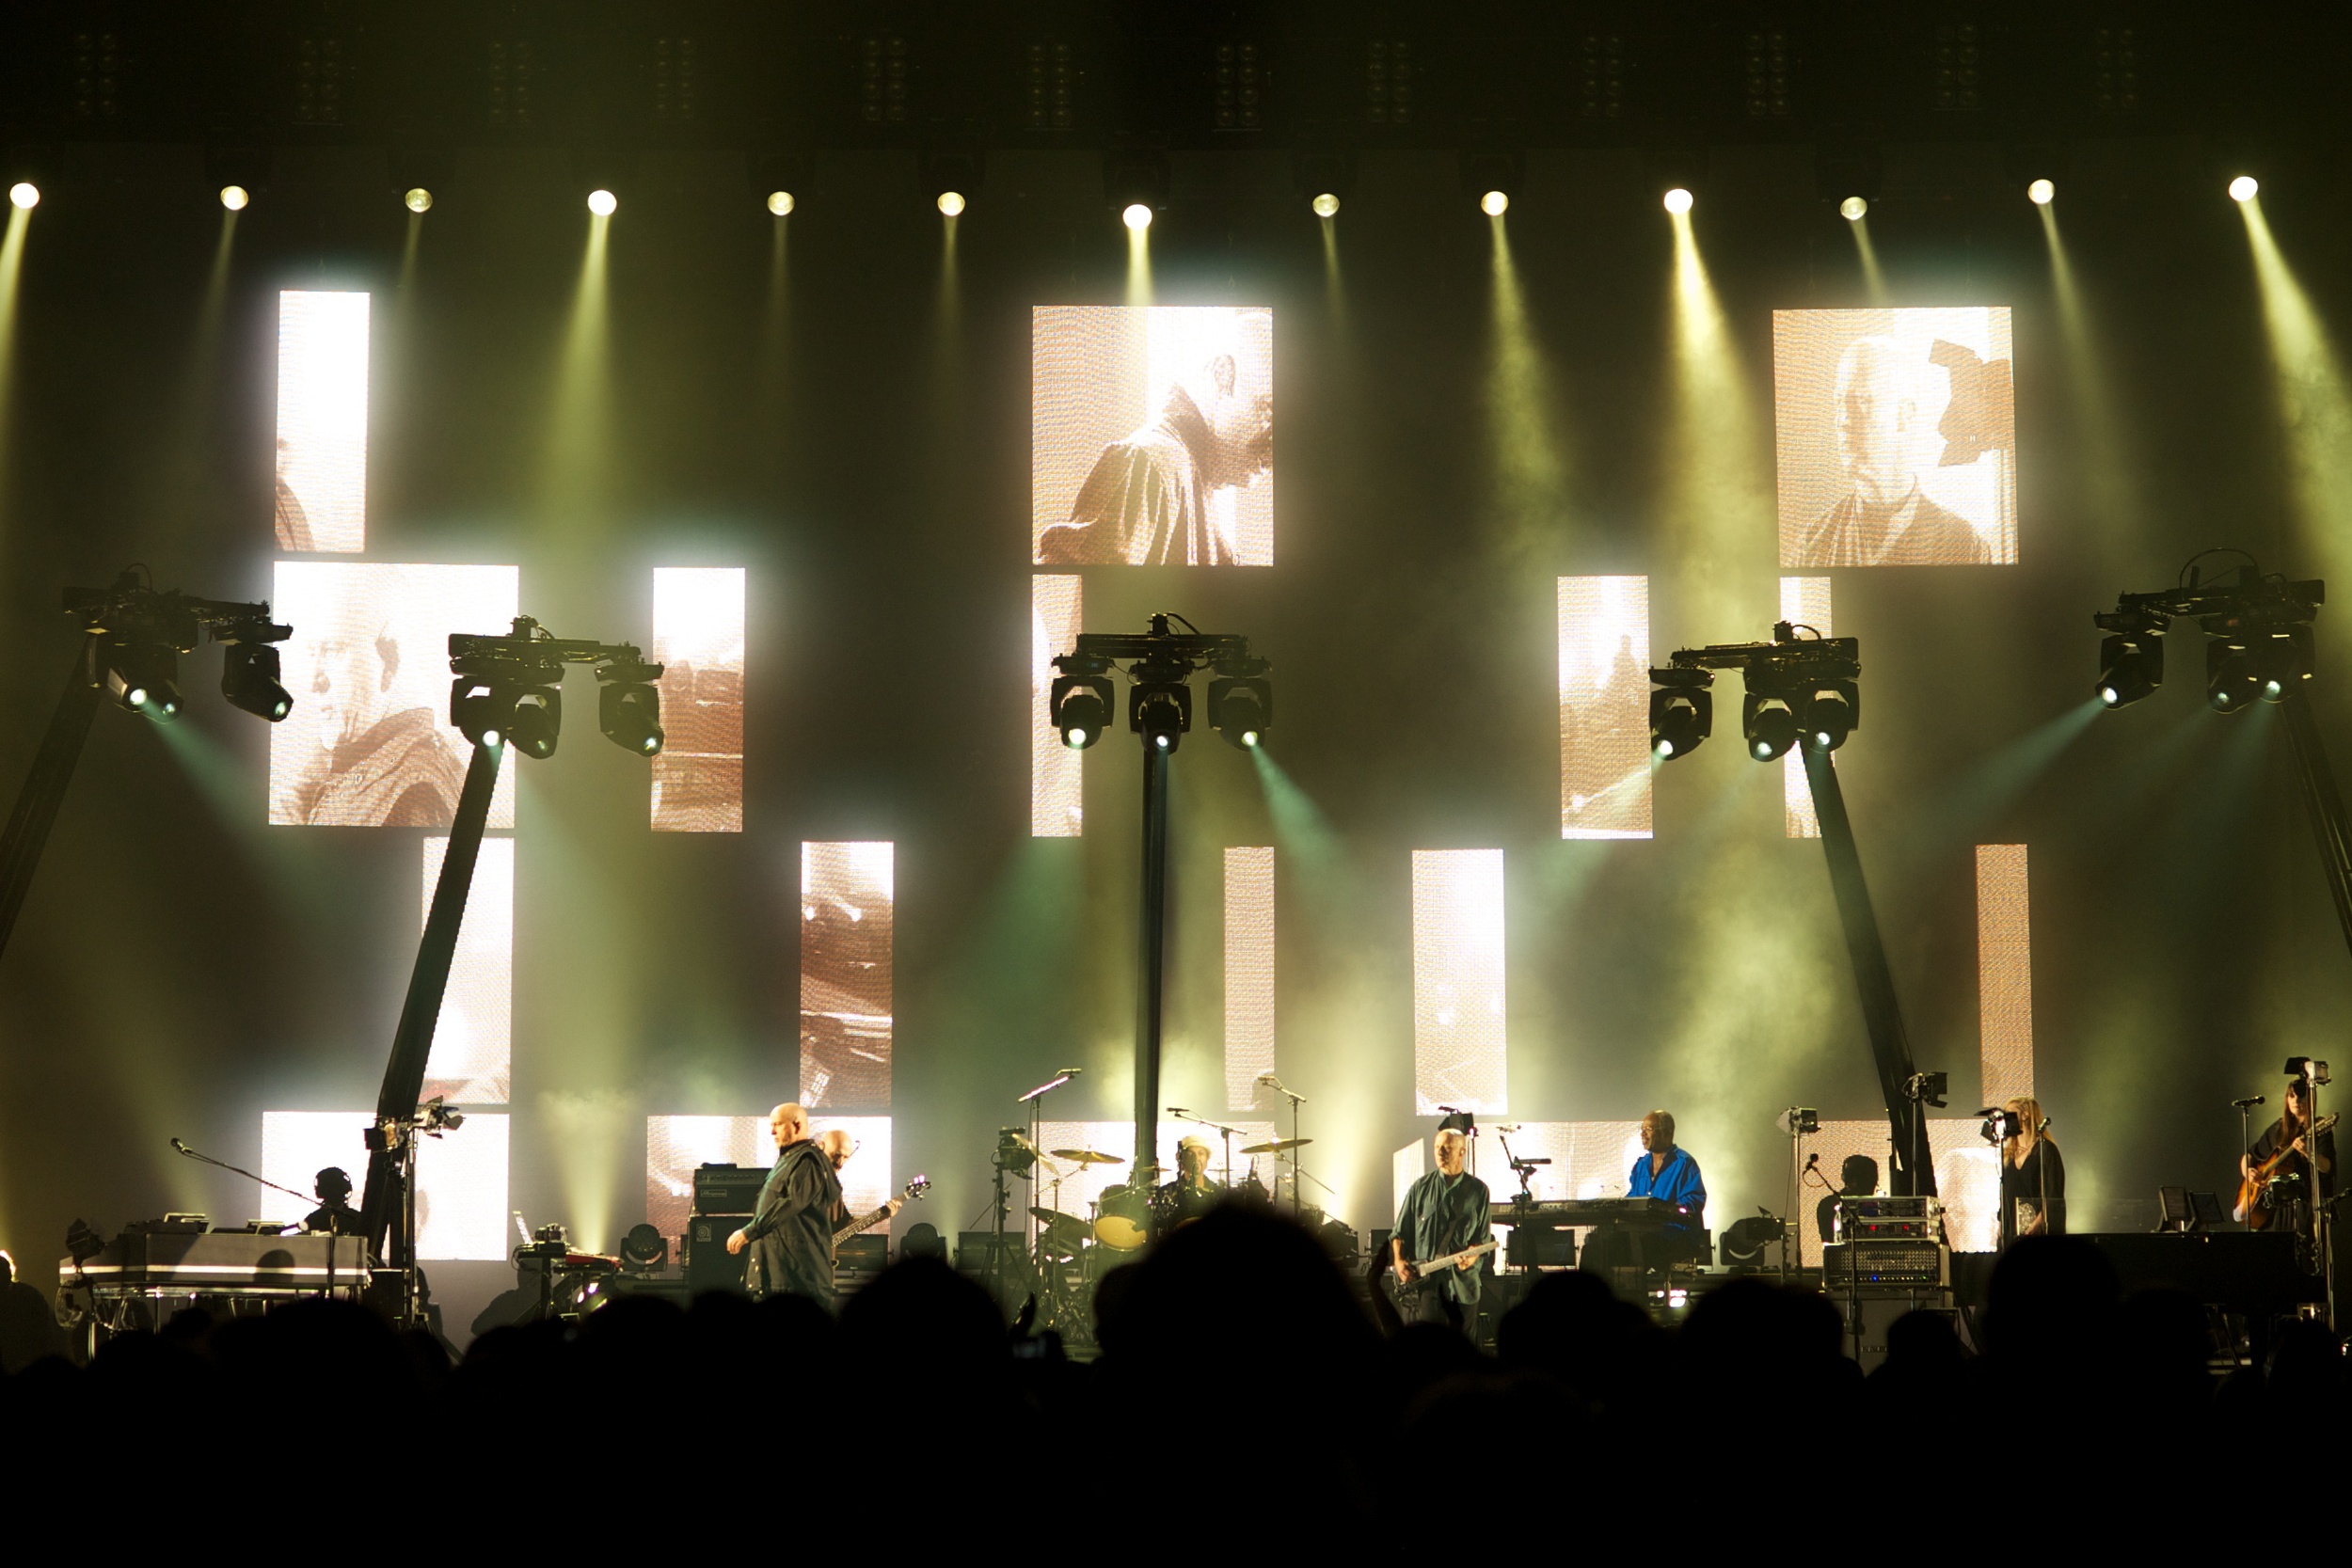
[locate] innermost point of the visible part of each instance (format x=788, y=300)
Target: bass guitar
x=2253, y=1197
x=1437, y=1268
x=858, y=1226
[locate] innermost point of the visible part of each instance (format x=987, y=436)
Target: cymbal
x=1088, y=1156
x=1055, y=1220
x=1276, y=1146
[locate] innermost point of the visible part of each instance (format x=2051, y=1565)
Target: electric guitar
x=1437, y=1268
x=914, y=1189
x=2251, y=1207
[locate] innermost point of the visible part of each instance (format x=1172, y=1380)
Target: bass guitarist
x=1445, y=1214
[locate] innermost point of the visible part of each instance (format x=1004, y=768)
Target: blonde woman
x=2033, y=1176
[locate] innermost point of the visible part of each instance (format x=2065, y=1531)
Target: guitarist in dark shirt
x=839, y=1146
x=2288, y=1141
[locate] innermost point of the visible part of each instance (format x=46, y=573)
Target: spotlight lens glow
x=603, y=204
x=951, y=204
x=1137, y=216
x=419, y=200
x=25, y=196
x=1327, y=205
x=493, y=740
x=1665, y=748
x=2243, y=189
x=234, y=197
x=2110, y=696
x=2273, y=689
x=780, y=203
x=2039, y=193
x=1764, y=750
x=1495, y=203
x=137, y=696
x=1851, y=208
x=1678, y=202
x=1250, y=737
x=1161, y=741
x=1077, y=740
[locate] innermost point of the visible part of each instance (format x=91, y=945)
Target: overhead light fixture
x=628, y=706
x=1137, y=216
x=1852, y=209
x=2041, y=192
x=234, y=197
x=250, y=679
x=780, y=203
x=142, y=677
x=1241, y=702
x=1327, y=205
x=1160, y=712
x=1080, y=703
x=1768, y=722
x=951, y=204
x=1827, y=711
x=23, y=196
x=1681, y=712
x=2244, y=188
x=1495, y=203
x=2258, y=635
x=1678, y=202
x=418, y=201
x=538, y=722
x=2131, y=665
x=603, y=204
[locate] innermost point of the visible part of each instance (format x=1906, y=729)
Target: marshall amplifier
x=728, y=1189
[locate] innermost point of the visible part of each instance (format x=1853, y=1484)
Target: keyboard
x=225, y=1262
x=1562, y=1211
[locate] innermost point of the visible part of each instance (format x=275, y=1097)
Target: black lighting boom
x=1159, y=711
x=132, y=640
x=507, y=687
x=1803, y=692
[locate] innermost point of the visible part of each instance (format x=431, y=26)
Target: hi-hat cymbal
x=1054, y=1219
x=1276, y=1146
x=1088, y=1156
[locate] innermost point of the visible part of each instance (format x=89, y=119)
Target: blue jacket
x=1679, y=1182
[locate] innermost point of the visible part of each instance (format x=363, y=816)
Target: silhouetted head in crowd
x=2050, y=1304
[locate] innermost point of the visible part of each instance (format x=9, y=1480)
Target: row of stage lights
x=1677, y=200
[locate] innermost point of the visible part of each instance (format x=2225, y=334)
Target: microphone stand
x=1298, y=1168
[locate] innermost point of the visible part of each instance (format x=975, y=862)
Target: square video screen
x=321, y=463
x=698, y=640
x=369, y=743
x=1151, y=436
x=1896, y=436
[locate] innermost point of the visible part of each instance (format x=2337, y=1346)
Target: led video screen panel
x=1604, y=708
x=1248, y=971
x=1057, y=773
x=369, y=743
x=1897, y=435
x=1152, y=432
x=322, y=467
x=698, y=640
x=2004, y=974
x=674, y=1145
x=461, y=1178
x=1803, y=602
x=1459, y=1057
x=473, y=1038
x=845, y=908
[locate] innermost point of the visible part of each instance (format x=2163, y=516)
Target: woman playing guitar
x=2275, y=1176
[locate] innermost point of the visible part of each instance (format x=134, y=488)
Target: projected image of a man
x=378, y=765
x=1147, y=501
x=1884, y=518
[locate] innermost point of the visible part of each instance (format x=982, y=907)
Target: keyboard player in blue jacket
x=1667, y=1172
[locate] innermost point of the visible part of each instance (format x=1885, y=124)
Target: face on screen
x=1875, y=416
x=352, y=674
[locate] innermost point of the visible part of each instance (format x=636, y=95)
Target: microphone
x=1812, y=1158
x=1069, y=1071
x=2241, y=1104
x=179, y=1148
x=1180, y=1113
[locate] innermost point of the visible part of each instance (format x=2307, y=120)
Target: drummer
x=1192, y=1193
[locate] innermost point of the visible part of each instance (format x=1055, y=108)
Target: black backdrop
x=864, y=452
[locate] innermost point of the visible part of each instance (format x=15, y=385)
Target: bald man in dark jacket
x=790, y=1236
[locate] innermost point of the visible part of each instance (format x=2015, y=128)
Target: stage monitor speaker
x=709, y=1266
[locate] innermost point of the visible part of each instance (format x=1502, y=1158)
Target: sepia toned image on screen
x=846, y=907
x=1896, y=437
x=698, y=640
x=1056, y=772
x=461, y=1178
x=1604, y=708
x=1152, y=430
x=473, y=1038
x=322, y=464
x=369, y=743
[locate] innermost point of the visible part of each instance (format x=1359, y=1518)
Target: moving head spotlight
x=1681, y=712
x=1768, y=723
x=628, y=709
x=511, y=687
x=1241, y=702
x=2131, y=663
x=1799, y=688
x=137, y=636
x=2258, y=635
x=1080, y=705
x=1161, y=712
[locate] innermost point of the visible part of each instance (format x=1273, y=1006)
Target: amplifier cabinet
x=709, y=1265
x=728, y=1189
x=1844, y=1264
